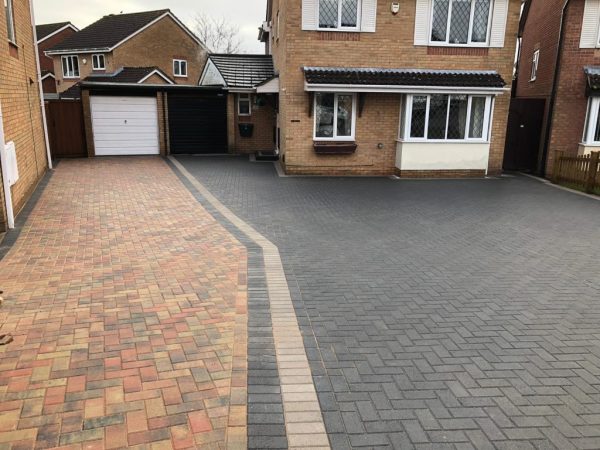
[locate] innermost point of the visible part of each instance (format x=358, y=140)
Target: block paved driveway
x=436, y=314
x=122, y=294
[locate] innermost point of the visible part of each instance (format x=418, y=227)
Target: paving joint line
x=299, y=395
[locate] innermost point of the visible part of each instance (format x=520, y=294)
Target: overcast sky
x=247, y=14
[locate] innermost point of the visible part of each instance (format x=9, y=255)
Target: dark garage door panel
x=198, y=123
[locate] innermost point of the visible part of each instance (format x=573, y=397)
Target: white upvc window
x=339, y=14
x=461, y=22
x=10, y=21
x=534, y=65
x=180, y=68
x=335, y=116
x=98, y=62
x=70, y=66
x=591, y=133
x=244, y=104
x=447, y=118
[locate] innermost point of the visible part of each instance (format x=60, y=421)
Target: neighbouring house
x=251, y=101
x=23, y=148
x=557, y=103
x=49, y=35
x=413, y=88
x=151, y=39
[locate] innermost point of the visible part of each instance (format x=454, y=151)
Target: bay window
x=591, y=134
x=461, y=22
x=447, y=117
x=70, y=66
x=338, y=14
x=335, y=116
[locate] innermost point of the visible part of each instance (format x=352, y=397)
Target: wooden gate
x=66, y=129
x=524, y=134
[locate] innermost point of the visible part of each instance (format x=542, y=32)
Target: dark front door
x=524, y=134
x=198, y=122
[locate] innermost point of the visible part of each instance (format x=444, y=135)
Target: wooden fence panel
x=66, y=129
x=581, y=172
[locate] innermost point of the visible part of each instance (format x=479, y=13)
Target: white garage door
x=125, y=125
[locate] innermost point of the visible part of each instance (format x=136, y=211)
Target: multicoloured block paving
x=127, y=302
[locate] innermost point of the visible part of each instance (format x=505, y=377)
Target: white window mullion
x=468, y=122
x=593, y=120
x=471, y=22
x=339, y=24
x=447, y=117
x=426, y=134
x=335, y=116
x=449, y=21
x=487, y=121
x=408, y=117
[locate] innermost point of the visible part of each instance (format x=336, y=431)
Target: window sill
x=180, y=76
x=431, y=141
x=335, y=147
x=70, y=78
x=444, y=44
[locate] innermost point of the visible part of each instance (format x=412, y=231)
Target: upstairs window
x=461, y=22
x=443, y=117
x=98, y=62
x=10, y=20
x=70, y=66
x=534, y=65
x=338, y=14
x=180, y=68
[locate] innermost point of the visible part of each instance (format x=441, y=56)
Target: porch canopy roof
x=353, y=79
x=592, y=74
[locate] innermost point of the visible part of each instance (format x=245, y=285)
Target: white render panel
x=442, y=156
x=125, y=125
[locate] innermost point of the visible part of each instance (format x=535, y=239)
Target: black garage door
x=198, y=122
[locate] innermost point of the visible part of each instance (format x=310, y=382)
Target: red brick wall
x=46, y=63
x=263, y=118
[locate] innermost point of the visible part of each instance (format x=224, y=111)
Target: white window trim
x=67, y=57
x=97, y=56
x=278, y=23
x=8, y=4
x=335, y=138
x=244, y=98
x=535, y=62
x=177, y=62
x=469, y=44
x=591, y=121
x=339, y=28
x=487, y=121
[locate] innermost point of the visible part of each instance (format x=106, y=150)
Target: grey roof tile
x=244, y=71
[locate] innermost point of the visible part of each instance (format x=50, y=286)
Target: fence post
x=592, y=172
x=557, y=163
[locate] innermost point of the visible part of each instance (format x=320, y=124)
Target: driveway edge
x=302, y=413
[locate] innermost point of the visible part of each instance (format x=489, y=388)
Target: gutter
x=41, y=89
x=554, y=90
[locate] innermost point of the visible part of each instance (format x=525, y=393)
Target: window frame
x=406, y=123
x=178, y=63
x=335, y=137
x=446, y=43
x=591, y=122
x=96, y=57
x=339, y=26
x=10, y=22
x=535, y=64
x=244, y=97
x=70, y=58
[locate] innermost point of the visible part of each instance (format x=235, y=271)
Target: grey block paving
x=435, y=314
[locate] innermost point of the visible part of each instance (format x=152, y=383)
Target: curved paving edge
x=302, y=414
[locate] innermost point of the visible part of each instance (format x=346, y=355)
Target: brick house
x=414, y=88
x=559, y=67
x=23, y=147
x=251, y=101
x=150, y=39
x=49, y=35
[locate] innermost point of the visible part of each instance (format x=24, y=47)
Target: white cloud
x=246, y=14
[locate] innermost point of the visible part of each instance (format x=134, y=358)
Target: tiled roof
x=126, y=75
x=108, y=31
x=47, y=29
x=593, y=77
x=244, y=71
x=403, y=77
x=73, y=93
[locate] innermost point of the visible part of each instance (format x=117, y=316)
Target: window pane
x=597, y=130
x=457, y=116
x=417, y=123
x=183, y=68
x=438, y=113
x=65, y=67
x=480, y=21
x=344, y=115
x=10, y=24
x=439, y=23
x=328, y=13
x=324, y=115
x=477, y=117
x=349, y=13
x=459, y=21
x=75, y=66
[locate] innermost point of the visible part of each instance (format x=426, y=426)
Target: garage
x=198, y=122
x=125, y=125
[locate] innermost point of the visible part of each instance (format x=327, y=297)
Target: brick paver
x=127, y=302
x=435, y=314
